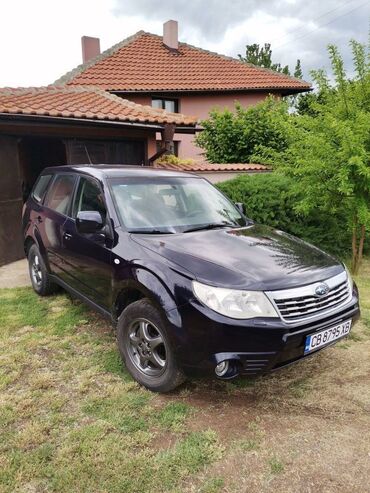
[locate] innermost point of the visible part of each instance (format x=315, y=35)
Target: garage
x=56, y=126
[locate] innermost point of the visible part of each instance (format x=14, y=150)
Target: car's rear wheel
x=146, y=349
x=39, y=275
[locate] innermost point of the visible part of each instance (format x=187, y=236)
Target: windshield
x=172, y=205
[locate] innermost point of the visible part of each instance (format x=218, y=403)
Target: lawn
x=72, y=419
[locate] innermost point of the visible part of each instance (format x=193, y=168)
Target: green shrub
x=235, y=136
x=172, y=159
x=270, y=199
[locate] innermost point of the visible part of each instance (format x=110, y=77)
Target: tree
x=328, y=148
x=306, y=103
x=234, y=136
x=262, y=57
x=298, y=74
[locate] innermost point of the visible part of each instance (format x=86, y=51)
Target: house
x=126, y=105
x=164, y=73
x=55, y=125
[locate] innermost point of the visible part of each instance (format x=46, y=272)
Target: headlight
x=234, y=303
x=350, y=280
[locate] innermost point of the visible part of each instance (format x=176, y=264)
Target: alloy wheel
x=36, y=271
x=147, y=347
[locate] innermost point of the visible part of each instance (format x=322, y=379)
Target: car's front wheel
x=146, y=349
x=39, y=275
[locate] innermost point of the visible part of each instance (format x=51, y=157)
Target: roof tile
x=204, y=166
x=143, y=63
x=83, y=102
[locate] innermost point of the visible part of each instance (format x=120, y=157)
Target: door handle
x=67, y=236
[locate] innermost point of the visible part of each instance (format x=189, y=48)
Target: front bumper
x=255, y=346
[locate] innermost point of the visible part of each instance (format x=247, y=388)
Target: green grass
x=300, y=387
x=72, y=418
x=248, y=444
x=213, y=485
x=276, y=466
x=173, y=415
x=363, y=283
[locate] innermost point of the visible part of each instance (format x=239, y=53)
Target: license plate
x=319, y=339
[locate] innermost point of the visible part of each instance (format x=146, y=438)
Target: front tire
x=146, y=349
x=39, y=275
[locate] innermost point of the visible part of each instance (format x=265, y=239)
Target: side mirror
x=89, y=222
x=241, y=207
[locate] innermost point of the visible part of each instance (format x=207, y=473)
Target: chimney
x=90, y=48
x=170, y=35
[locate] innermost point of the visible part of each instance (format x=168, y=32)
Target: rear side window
x=60, y=193
x=40, y=187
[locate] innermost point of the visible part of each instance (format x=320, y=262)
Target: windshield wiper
x=210, y=226
x=151, y=232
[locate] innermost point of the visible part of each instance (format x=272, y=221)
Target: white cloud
x=40, y=39
x=259, y=27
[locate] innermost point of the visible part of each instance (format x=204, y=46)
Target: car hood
x=253, y=257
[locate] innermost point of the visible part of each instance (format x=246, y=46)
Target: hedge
x=270, y=199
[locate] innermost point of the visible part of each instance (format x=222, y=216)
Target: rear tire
x=39, y=275
x=146, y=349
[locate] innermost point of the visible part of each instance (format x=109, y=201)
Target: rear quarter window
x=60, y=194
x=40, y=187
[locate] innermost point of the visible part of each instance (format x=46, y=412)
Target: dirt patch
x=305, y=428
x=15, y=275
x=297, y=454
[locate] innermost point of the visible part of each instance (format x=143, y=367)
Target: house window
x=174, y=147
x=166, y=104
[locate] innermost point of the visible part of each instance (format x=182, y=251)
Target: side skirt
x=105, y=313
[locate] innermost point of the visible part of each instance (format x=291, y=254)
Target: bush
x=270, y=199
x=172, y=159
x=235, y=136
x=328, y=148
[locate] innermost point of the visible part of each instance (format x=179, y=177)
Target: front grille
x=301, y=303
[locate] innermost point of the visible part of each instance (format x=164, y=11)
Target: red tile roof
x=205, y=167
x=143, y=63
x=83, y=102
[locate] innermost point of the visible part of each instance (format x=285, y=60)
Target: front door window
x=89, y=197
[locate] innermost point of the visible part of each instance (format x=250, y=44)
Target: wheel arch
x=35, y=239
x=144, y=284
x=28, y=242
x=125, y=296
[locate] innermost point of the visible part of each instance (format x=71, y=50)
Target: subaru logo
x=321, y=289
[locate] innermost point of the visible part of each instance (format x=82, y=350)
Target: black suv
x=192, y=285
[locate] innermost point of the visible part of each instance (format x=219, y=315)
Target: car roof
x=116, y=170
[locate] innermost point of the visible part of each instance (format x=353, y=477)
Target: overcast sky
x=40, y=39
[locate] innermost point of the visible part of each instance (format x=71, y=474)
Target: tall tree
x=328, y=148
x=262, y=57
x=298, y=70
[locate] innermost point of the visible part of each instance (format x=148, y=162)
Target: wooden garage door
x=131, y=152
